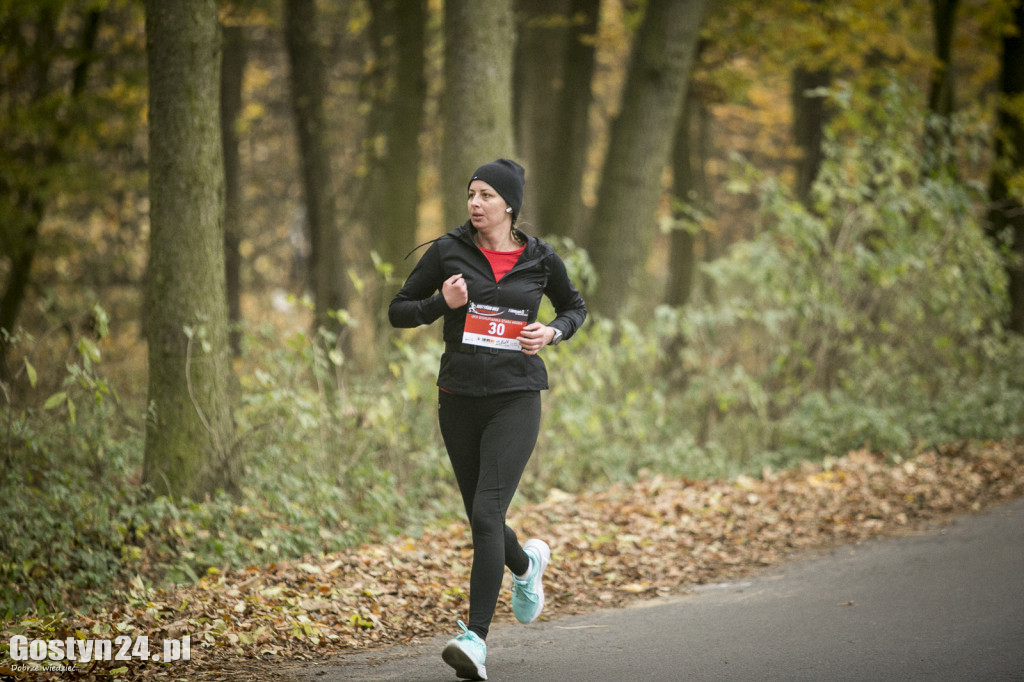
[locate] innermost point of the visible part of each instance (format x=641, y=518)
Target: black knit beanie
x=507, y=178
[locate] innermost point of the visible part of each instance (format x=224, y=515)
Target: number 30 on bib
x=494, y=326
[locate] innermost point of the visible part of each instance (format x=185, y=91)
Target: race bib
x=494, y=326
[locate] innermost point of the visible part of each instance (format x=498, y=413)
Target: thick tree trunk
x=399, y=30
x=308, y=83
x=938, y=153
x=1006, y=217
x=232, y=72
x=563, y=209
x=477, y=101
x=402, y=164
x=541, y=32
x=189, y=432
x=641, y=142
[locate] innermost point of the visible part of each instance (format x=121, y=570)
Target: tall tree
x=43, y=95
x=938, y=152
x=940, y=94
x=538, y=77
x=232, y=72
x=562, y=203
x=690, y=200
x=331, y=288
x=477, y=101
x=398, y=33
x=189, y=432
x=1006, y=215
x=640, y=145
x=809, y=119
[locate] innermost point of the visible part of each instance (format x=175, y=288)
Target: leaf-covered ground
x=653, y=538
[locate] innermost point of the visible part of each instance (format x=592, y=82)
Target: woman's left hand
x=535, y=336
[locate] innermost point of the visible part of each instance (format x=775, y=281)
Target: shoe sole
x=465, y=667
x=544, y=554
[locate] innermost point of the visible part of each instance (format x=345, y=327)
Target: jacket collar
x=534, y=246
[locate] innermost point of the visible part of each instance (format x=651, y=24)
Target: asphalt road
x=945, y=604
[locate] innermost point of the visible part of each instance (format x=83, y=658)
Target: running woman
x=486, y=279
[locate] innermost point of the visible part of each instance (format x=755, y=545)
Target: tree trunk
x=477, y=101
x=689, y=189
x=189, y=432
x=396, y=122
x=940, y=96
x=20, y=242
x=640, y=145
x=938, y=151
x=232, y=72
x=22, y=193
x=809, y=119
x=1006, y=217
x=538, y=76
x=563, y=209
x=308, y=82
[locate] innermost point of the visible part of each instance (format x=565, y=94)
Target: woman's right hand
x=455, y=292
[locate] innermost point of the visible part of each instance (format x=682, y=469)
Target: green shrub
x=67, y=477
x=871, y=318
x=323, y=470
x=868, y=320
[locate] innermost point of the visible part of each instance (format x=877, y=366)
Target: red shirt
x=502, y=261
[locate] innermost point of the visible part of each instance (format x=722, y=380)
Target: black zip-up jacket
x=476, y=371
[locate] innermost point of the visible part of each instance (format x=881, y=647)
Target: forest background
x=798, y=227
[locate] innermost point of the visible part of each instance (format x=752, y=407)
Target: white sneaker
x=467, y=654
x=528, y=592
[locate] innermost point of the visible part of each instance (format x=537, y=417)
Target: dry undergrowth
x=655, y=537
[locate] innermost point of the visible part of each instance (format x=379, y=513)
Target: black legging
x=489, y=442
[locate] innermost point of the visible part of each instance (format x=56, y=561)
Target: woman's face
x=486, y=207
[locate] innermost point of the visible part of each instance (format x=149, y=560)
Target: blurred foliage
x=72, y=134
x=322, y=471
x=867, y=319
x=870, y=320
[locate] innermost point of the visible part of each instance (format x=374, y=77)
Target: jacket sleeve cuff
x=437, y=305
x=560, y=326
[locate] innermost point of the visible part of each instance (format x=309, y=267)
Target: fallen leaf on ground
x=653, y=538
